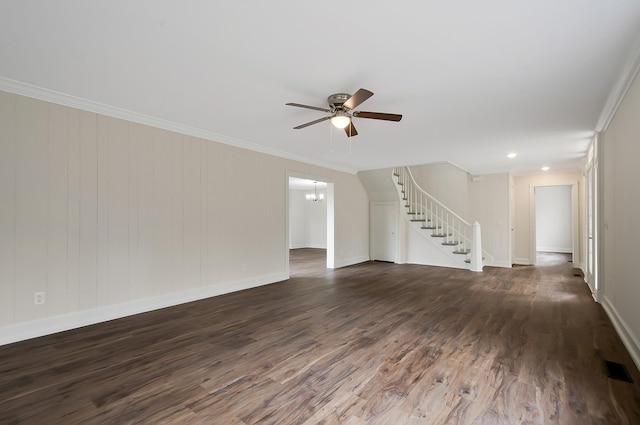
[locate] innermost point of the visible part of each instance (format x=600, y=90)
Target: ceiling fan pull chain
x=331, y=136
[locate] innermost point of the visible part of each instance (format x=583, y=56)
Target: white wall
x=553, y=219
x=307, y=220
x=620, y=283
x=110, y=217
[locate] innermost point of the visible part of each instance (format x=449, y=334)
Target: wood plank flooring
x=375, y=343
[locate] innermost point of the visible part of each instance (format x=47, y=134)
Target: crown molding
x=621, y=87
x=47, y=95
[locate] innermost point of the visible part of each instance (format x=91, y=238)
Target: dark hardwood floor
x=375, y=343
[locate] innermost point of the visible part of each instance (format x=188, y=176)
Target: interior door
x=384, y=231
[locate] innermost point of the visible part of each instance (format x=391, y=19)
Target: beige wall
x=484, y=199
x=522, y=221
x=99, y=212
x=489, y=206
x=447, y=183
x=620, y=292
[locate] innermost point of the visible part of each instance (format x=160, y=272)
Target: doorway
x=554, y=220
x=309, y=215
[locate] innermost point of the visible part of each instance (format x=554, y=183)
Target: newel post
x=476, y=248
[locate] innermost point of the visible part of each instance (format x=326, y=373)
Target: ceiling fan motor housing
x=336, y=101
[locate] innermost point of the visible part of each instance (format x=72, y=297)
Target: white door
x=384, y=231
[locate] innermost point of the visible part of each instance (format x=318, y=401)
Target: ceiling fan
x=341, y=112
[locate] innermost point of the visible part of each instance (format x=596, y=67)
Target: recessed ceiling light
x=512, y=155
x=545, y=168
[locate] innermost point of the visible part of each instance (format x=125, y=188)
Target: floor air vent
x=617, y=371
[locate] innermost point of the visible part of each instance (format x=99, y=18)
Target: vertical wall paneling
x=163, y=270
x=102, y=276
x=204, y=147
x=211, y=219
x=132, y=221
x=242, y=196
x=117, y=199
x=88, y=265
x=177, y=210
x=31, y=206
x=145, y=219
x=110, y=217
x=257, y=217
x=226, y=183
x=7, y=206
x=192, y=211
x=73, y=209
x=57, y=276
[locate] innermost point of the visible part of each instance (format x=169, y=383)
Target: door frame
x=575, y=234
x=330, y=200
x=394, y=206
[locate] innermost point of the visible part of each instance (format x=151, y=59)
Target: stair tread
x=452, y=243
x=462, y=251
x=440, y=235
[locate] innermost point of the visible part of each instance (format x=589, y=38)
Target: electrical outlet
x=38, y=298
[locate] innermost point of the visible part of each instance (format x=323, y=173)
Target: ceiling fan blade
x=351, y=130
x=315, y=108
x=377, y=116
x=357, y=98
x=311, y=123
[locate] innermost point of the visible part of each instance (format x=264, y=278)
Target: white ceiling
x=473, y=79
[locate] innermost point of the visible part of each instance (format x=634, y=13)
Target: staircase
x=442, y=227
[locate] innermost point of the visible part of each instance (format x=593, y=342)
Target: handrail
x=444, y=223
x=415, y=184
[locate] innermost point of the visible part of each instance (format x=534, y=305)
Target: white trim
x=499, y=263
x=629, y=340
x=351, y=261
x=621, y=87
x=330, y=200
x=28, y=90
x=575, y=218
x=32, y=329
x=554, y=249
x=304, y=245
x=522, y=261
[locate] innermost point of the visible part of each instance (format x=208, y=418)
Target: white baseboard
x=554, y=249
x=299, y=246
x=350, y=261
x=498, y=263
x=522, y=261
x=629, y=340
x=35, y=328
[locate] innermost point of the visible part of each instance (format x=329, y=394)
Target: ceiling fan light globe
x=340, y=121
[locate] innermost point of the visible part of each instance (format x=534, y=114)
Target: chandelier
x=314, y=197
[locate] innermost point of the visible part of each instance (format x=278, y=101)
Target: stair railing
x=443, y=222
